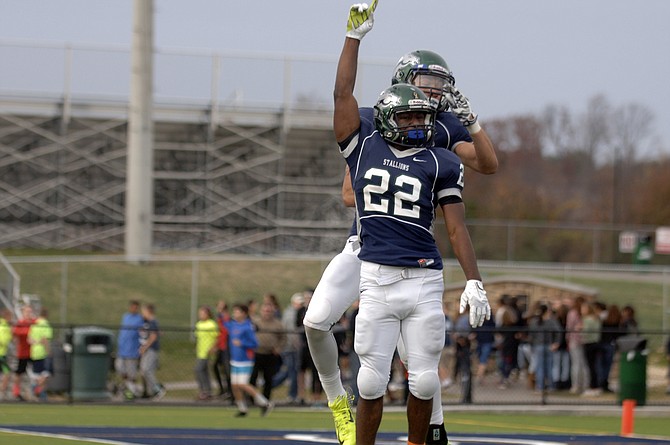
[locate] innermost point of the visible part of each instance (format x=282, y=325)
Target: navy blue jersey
x=449, y=132
x=397, y=192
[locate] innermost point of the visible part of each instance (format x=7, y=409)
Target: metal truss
x=253, y=181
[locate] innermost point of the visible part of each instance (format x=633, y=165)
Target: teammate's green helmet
x=427, y=70
x=400, y=98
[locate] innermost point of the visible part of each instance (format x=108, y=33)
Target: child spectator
x=5, y=342
x=206, y=345
x=128, y=349
x=243, y=344
x=40, y=334
x=20, y=334
x=149, y=350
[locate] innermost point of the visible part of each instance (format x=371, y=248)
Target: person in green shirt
x=5, y=341
x=206, y=346
x=39, y=338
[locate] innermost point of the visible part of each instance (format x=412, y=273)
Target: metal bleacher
x=244, y=156
x=9, y=285
x=258, y=180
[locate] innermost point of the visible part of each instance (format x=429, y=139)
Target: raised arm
x=347, y=190
x=479, y=154
x=346, y=119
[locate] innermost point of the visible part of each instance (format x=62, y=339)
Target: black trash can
x=632, y=369
x=90, y=363
x=59, y=382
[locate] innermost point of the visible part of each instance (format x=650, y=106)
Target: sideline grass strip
x=314, y=419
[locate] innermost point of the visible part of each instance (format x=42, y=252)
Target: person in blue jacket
x=128, y=349
x=243, y=344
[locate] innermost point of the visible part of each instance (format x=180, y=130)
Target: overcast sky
x=510, y=57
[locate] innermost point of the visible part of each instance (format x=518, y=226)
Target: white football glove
x=474, y=295
x=361, y=19
x=460, y=107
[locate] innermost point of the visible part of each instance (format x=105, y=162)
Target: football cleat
x=345, y=427
x=437, y=435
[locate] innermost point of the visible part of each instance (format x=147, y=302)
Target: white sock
x=241, y=405
x=261, y=400
x=437, y=416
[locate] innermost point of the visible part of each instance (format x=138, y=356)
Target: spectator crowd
x=245, y=351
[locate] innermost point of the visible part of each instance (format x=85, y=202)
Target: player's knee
x=318, y=314
x=371, y=385
x=424, y=385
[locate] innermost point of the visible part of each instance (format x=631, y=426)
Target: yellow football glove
x=361, y=19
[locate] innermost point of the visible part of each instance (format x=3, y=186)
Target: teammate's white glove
x=459, y=105
x=474, y=295
x=361, y=19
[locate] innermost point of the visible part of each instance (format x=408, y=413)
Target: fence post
x=63, y=290
x=195, y=271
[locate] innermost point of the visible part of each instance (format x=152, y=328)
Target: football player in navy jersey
x=338, y=287
x=398, y=181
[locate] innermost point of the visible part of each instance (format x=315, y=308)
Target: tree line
x=602, y=166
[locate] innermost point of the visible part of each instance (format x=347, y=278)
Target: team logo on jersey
x=423, y=262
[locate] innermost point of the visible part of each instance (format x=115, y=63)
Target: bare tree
x=559, y=129
x=631, y=129
x=595, y=128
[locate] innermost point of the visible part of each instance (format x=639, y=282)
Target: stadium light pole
x=139, y=169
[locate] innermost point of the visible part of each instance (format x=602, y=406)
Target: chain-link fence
x=82, y=363
x=94, y=291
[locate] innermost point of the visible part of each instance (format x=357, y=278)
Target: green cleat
x=345, y=427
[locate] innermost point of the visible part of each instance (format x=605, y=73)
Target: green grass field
x=307, y=419
x=86, y=289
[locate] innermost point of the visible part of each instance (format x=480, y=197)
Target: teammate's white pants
x=395, y=301
x=336, y=291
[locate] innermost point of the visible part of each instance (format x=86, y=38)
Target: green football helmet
x=403, y=98
x=429, y=71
